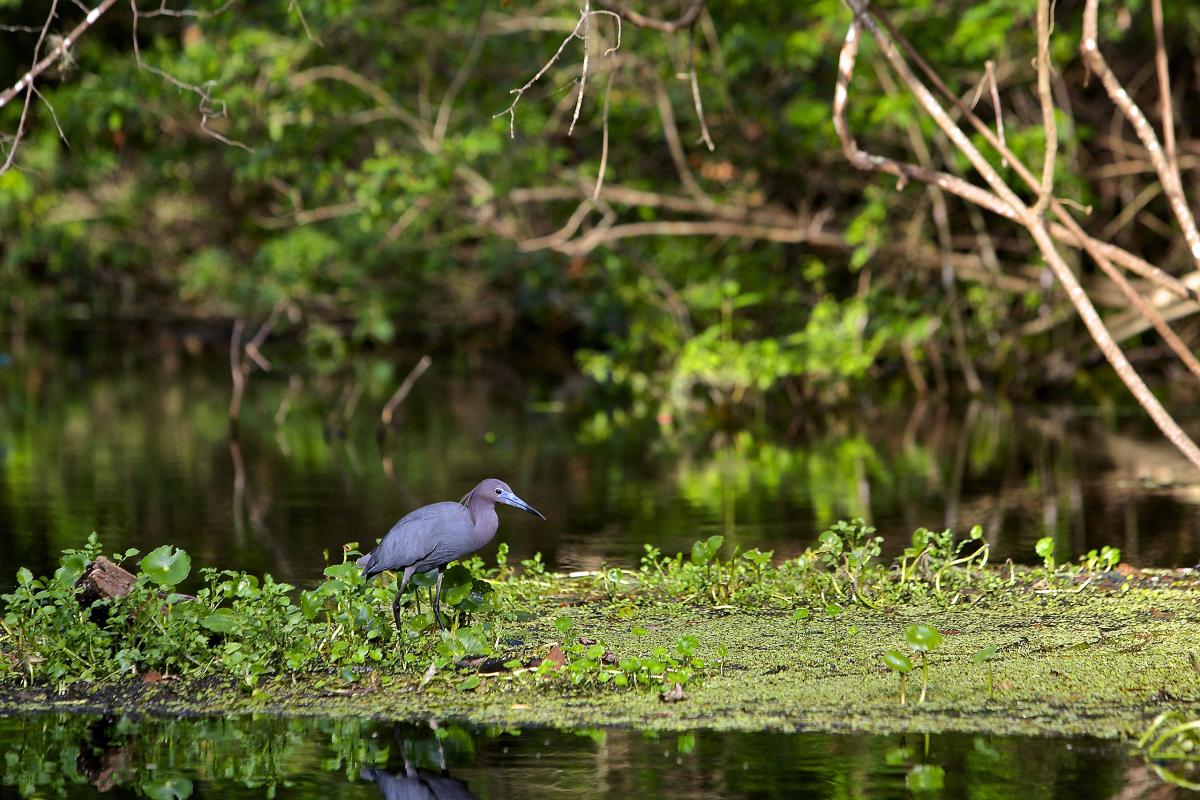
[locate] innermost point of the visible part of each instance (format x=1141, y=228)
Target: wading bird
x=432, y=536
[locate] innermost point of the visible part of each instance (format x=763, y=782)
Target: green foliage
x=1045, y=549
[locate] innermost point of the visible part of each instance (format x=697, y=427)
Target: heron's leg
x=437, y=599
x=408, y=573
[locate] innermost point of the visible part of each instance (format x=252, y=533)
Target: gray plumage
x=432, y=536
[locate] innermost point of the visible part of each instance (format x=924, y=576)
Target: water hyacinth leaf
x=469, y=684
x=166, y=565
x=474, y=641
x=638, y=630
x=984, y=655
x=564, y=624
x=922, y=638
x=833, y=610
x=687, y=645
x=456, y=585
x=800, y=614
x=897, y=661
x=346, y=572
x=925, y=778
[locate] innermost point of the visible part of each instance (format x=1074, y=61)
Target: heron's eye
x=497, y=491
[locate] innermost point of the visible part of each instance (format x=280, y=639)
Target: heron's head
x=492, y=490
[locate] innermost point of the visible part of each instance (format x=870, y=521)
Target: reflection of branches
x=239, y=368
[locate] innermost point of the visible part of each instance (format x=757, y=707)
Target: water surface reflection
x=81, y=756
x=133, y=442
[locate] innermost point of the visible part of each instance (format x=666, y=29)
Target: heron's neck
x=485, y=519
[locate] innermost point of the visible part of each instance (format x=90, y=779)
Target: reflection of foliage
x=162, y=758
x=1172, y=745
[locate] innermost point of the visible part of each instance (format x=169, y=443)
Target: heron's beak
x=508, y=498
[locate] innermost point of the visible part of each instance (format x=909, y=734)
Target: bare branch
x=295, y=5
x=685, y=20
x=587, y=7
x=1168, y=172
x=582, y=24
x=1033, y=224
x=1044, y=25
x=27, y=82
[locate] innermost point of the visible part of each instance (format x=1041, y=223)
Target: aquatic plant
x=1172, y=738
x=901, y=664
x=984, y=658
x=923, y=639
x=1045, y=549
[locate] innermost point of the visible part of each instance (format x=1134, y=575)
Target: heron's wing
x=412, y=539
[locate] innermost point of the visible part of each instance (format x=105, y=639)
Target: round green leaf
x=897, y=661
x=985, y=654
x=166, y=566
x=922, y=638
x=456, y=586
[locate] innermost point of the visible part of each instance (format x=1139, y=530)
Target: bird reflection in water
x=412, y=783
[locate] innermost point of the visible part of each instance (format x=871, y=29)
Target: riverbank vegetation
x=289, y=163
x=711, y=637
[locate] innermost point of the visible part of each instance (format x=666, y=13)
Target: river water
x=132, y=440
x=81, y=756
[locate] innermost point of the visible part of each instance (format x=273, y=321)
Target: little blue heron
x=432, y=536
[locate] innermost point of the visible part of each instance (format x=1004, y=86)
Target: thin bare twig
x=27, y=82
x=583, y=71
x=685, y=20
x=209, y=107
x=699, y=105
x=295, y=5
x=511, y=111
x=604, y=136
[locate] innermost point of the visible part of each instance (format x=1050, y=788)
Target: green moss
x=1097, y=662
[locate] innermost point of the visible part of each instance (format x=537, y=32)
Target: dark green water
x=132, y=440
x=79, y=756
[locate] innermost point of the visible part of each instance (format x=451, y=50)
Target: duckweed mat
x=1097, y=658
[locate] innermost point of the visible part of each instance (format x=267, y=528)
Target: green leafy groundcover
x=827, y=640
